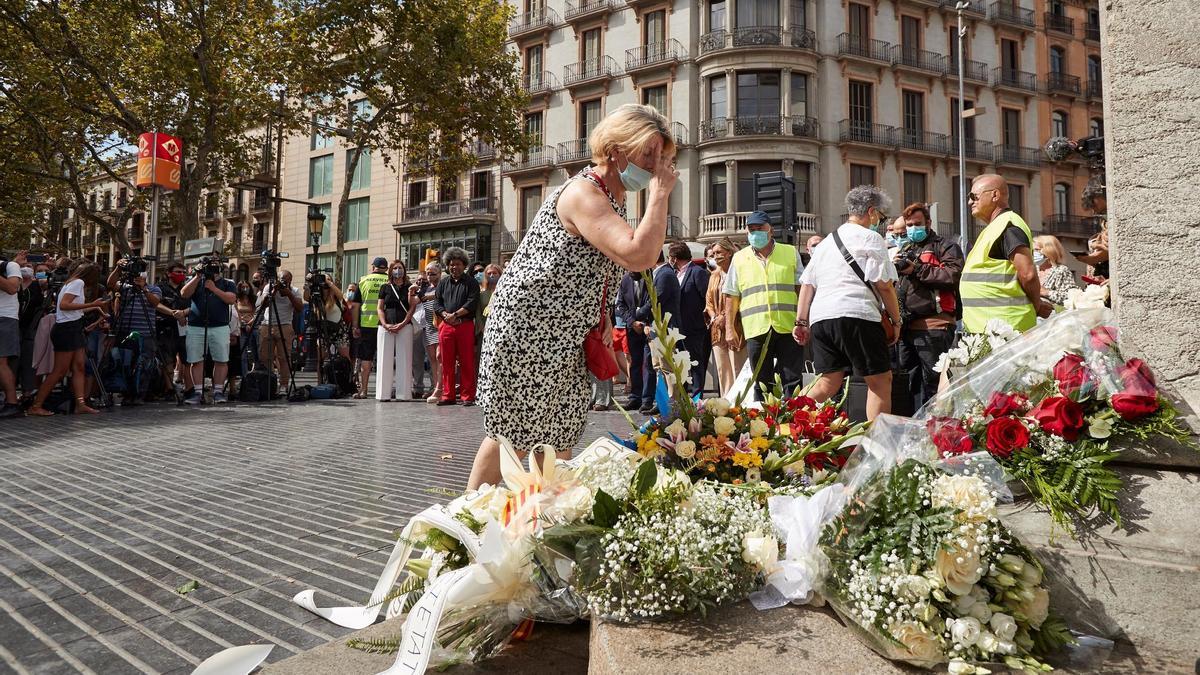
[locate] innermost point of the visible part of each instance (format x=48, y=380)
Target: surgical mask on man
x=759, y=239
x=635, y=178
x=917, y=233
x=896, y=242
x=1038, y=258
x=40, y=276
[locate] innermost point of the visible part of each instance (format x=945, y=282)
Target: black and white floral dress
x=533, y=384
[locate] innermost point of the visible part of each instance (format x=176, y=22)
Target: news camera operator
x=172, y=328
x=135, y=303
x=276, y=332
x=211, y=296
x=327, y=299
x=930, y=267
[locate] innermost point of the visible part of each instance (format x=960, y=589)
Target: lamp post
x=312, y=360
x=316, y=227
x=962, y=140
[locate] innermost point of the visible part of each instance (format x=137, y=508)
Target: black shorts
x=365, y=349
x=67, y=337
x=844, y=342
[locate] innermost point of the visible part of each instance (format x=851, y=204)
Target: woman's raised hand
x=665, y=174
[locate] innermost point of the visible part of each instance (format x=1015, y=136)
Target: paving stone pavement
x=103, y=517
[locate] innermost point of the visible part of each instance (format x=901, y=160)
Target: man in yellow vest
x=999, y=280
x=366, y=320
x=762, y=285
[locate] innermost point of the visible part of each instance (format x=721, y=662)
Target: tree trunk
x=340, y=234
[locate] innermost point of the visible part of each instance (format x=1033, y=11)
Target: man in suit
x=693, y=287
x=629, y=299
x=666, y=287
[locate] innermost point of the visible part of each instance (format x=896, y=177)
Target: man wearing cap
x=366, y=320
x=762, y=287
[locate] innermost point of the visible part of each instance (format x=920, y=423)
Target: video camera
x=1091, y=149
x=271, y=260
x=135, y=265
x=315, y=278
x=210, y=266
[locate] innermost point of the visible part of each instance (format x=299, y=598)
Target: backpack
x=256, y=387
x=339, y=372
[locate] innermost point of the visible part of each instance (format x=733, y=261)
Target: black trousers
x=919, y=352
x=639, y=361
x=784, y=357
x=699, y=346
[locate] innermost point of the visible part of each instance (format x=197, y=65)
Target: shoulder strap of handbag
x=603, y=301
x=837, y=239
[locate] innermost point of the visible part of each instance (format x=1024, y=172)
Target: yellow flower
x=747, y=460
x=760, y=444
x=643, y=440
x=651, y=450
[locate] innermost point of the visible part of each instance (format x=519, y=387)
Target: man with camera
x=275, y=333
x=208, y=326
x=929, y=266
x=10, y=331
x=135, y=303
x=172, y=327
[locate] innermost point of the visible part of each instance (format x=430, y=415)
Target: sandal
x=39, y=411
x=82, y=408
x=360, y=395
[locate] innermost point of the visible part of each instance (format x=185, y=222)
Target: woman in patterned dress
x=533, y=385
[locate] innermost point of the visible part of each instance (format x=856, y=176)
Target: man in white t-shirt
x=10, y=330
x=276, y=332
x=839, y=308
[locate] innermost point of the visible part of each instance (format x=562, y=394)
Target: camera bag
x=339, y=372
x=256, y=386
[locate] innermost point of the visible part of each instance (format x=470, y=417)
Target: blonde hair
x=629, y=128
x=1052, y=248
x=727, y=244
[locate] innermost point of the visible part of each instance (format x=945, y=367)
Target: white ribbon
x=234, y=661
x=800, y=520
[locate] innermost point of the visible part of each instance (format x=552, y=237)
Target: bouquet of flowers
x=1048, y=404
x=924, y=571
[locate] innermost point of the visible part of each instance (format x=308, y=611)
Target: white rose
x=758, y=428
x=487, y=504
x=573, y=504
x=923, y=645
x=685, y=449
x=724, y=426
x=980, y=611
x=676, y=429
x=918, y=587
x=1006, y=647
x=717, y=406
x=965, y=631
x=962, y=604
x=966, y=493
x=960, y=667
x=668, y=478
x=988, y=643
x=759, y=550
x=1003, y=625
x=1036, y=609
x=959, y=569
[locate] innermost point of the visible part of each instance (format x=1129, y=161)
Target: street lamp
x=962, y=140
x=316, y=226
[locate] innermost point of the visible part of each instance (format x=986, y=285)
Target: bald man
x=999, y=280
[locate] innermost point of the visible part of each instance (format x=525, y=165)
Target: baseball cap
x=758, y=218
x=379, y=261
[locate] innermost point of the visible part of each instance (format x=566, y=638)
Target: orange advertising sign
x=159, y=160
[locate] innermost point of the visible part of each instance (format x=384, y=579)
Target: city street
x=104, y=519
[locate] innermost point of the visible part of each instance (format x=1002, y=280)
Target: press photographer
x=930, y=267
x=278, y=301
x=172, y=328
x=134, y=330
x=208, y=326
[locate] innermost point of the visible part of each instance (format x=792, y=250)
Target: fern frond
x=384, y=645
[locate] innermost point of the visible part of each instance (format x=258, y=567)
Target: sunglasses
x=973, y=197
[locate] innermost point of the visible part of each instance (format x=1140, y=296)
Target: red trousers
x=457, y=345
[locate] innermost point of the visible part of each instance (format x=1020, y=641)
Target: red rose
x=1137, y=378
x=1131, y=405
x=1002, y=404
x=1071, y=374
x=949, y=436
x=1103, y=337
x=1060, y=416
x=1006, y=435
x=801, y=402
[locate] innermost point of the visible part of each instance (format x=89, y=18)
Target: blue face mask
x=918, y=233
x=1038, y=258
x=39, y=275
x=893, y=240
x=479, y=277
x=759, y=239
x=635, y=178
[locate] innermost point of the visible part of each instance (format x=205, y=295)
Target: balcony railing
x=674, y=226
x=581, y=9
x=805, y=127
x=918, y=59
x=718, y=225
x=1059, y=23
x=680, y=132
x=1095, y=89
x=480, y=206
x=758, y=125
x=1014, y=79
x=1062, y=83
x=89, y=240
x=975, y=149
x=656, y=54
x=716, y=127
x=974, y=70
x=261, y=202
x=802, y=38
x=851, y=131
x=509, y=241
x=1009, y=12
x=977, y=7
x=539, y=19
x=601, y=68
x=482, y=150
x=757, y=36
x=1091, y=31
x=1082, y=226
x=864, y=48
x=919, y=140
x=574, y=152
x=539, y=83
x=537, y=157
x=210, y=213
x=1013, y=155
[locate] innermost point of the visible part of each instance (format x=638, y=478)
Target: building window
x=1010, y=56
x=910, y=35
x=801, y=176
x=358, y=218
x=799, y=95
x=320, y=176
x=860, y=23
x=589, y=117
x=354, y=265
x=914, y=187
x=655, y=97
x=1016, y=197
x=481, y=185
x=361, y=180
x=757, y=13
x=531, y=201
x=717, y=195
x=1058, y=123
x=758, y=94
x=319, y=139
x=798, y=12
x=418, y=193
x=654, y=27
x=533, y=66
x=914, y=113
x=861, y=174
x=590, y=50
x=1011, y=127
x=1057, y=8
x=862, y=113
x=448, y=190
x=1058, y=60
x=718, y=97
x=1094, y=73
x=1062, y=199
x=716, y=15
x=533, y=127
x=326, y=233
x=968, y=123
x=1096, y=128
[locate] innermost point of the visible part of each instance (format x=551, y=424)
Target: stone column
x=785, y=95
x=731, y=186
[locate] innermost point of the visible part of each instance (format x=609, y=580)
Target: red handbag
x=599, y=356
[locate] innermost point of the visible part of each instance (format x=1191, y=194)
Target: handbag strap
x=603, y=301
x=837, y=239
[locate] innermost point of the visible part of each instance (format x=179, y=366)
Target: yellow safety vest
x=768, y=292
x=989, y=287
x=368, y=290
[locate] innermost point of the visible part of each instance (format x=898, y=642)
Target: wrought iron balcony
x=860, y=47
x=1059, y=23
x=482, y=150
x=581, y=9
x=539, y=83
x=802, y=38
x=1095, y=89
x=1091, y=31
x=852, y=131
x=757, y=36
x=1063, y=223
x=1011, y=13
x=975, y=149
x=654, y=55
x=758, y=125
x=919, y=140
x=976, y=7
x=680, y=132
x=918, y=59
x=976, y=71
x=262, y=200
x=713, y=41
x=450, y=210
x=537, y=158
x=1013, y=155
x=749, y=37
x=716, y=127
x=1014, y=79
x=533, y=21
x=590, y=70
x=574, y=152
x=211, y=213
x=804, y=127
x=1062, y=83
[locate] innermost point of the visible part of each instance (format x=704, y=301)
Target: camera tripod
x=271, y=298
x=120, y=330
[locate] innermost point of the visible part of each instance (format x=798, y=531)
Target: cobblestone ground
x=103, y=518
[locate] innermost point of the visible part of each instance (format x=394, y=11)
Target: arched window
x=1062, y=199
x=1058, y=60
x=1058, y=123
x=1096, y=128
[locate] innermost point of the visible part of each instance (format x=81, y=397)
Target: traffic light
x=775, y=194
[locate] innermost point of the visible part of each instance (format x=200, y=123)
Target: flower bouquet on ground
x=1047, y=406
